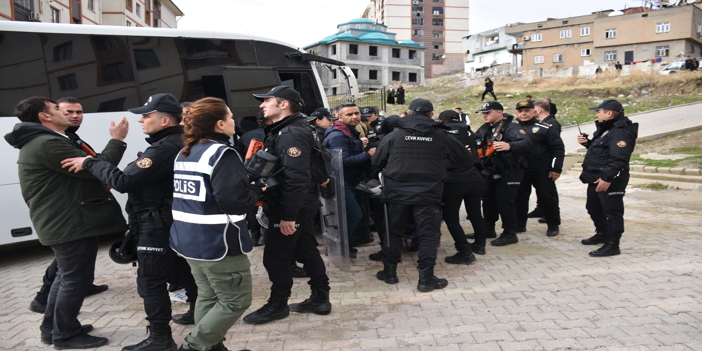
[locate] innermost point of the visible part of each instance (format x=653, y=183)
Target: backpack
x=321, y=160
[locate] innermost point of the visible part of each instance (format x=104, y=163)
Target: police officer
x=545, y=159
x=412, y=157
x=543, y=113
x=149, y=182
x=463, y=183
x=290, y=207
x=321, y=119
x=502, y=147
x=606, y=173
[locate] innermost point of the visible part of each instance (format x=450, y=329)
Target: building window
x=611, y=33
x=610, y=55
x=437, y=57
x=129, y=24
x=437, y=11
x=55, y=15
x=137, y=10
x=539, y=59
x=566, y=33
x=663, y=27
x=437, y=22
x=584, y=52
x=333, y=74
x=536, y=37
x=63, y=51
x=417, y=32
x=412, y=77
x=353, y=49
x=68, y=82
x=333, y=49
x=481, y=59
x=584, y=31
x=662, y=51
x=355, y=72
x=373, y=74
x=412, y=54
x=372, y=51
x=395, y=53
x=418, y=10
x=130, y=5
x=437, y=34
x=396, y=76
x=418, y=21
x=557, y=57
x=437, y=45
x=91, y=5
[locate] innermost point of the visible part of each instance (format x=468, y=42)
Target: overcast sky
x=304, y=22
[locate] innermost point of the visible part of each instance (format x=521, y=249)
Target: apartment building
x=138, y=13
x=487, y=49
x=438, y=25
x=605, y=37
x=375, y=57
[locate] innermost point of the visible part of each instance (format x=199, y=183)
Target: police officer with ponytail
x=412, y=158
x=211, y=197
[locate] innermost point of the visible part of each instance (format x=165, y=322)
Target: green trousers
x=224, y=294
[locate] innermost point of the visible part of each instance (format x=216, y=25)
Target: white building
x=489, y=49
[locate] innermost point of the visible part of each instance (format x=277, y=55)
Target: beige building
x=138, y=13
x=605, y=37
x=438, y=25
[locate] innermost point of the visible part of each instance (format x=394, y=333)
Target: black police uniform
x=149, y=182
x=412, y=157
x=552, y=122
x=545, y=156
x=464, y=183
x=295, y=199
x=607, y=158
x=503, y=172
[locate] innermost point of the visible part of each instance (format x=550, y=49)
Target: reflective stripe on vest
x=199, y=229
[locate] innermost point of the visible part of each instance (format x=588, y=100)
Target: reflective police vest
x=199, y=229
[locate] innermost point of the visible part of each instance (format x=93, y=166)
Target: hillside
x=638, y=92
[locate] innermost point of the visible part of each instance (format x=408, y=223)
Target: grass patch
x=687, y=162
x=652, y=186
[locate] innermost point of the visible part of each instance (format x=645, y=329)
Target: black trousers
x=547, y=197
x=455, y=194
x=182, y=276
x=491, y=93
x=606, y=208
x=499, y=200
x=377, y=212
x=428, y=227
x=156, y=262
x=363, y=227
x=301, y=246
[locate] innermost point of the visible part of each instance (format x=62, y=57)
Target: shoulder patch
x=294, y=152
x=144, y=162
x=535, y=129
x=621, y=143
x=522, y=131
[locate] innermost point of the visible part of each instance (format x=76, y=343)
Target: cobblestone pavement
x=541, y=294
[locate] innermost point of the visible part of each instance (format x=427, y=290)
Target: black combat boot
x=159, y=339
x=598, y=238
x=38, y=305
x=428, y=281
x=187, y=318
x=298, y=272
x=318, y=303
x=276, y=308
x=610, y=248
x=552, y=230
x=506, y=238
x=461, y=258
x=389, y=272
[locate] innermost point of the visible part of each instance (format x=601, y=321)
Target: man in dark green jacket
x=68, y=210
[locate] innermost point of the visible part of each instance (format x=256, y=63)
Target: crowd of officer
x=428, y=168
